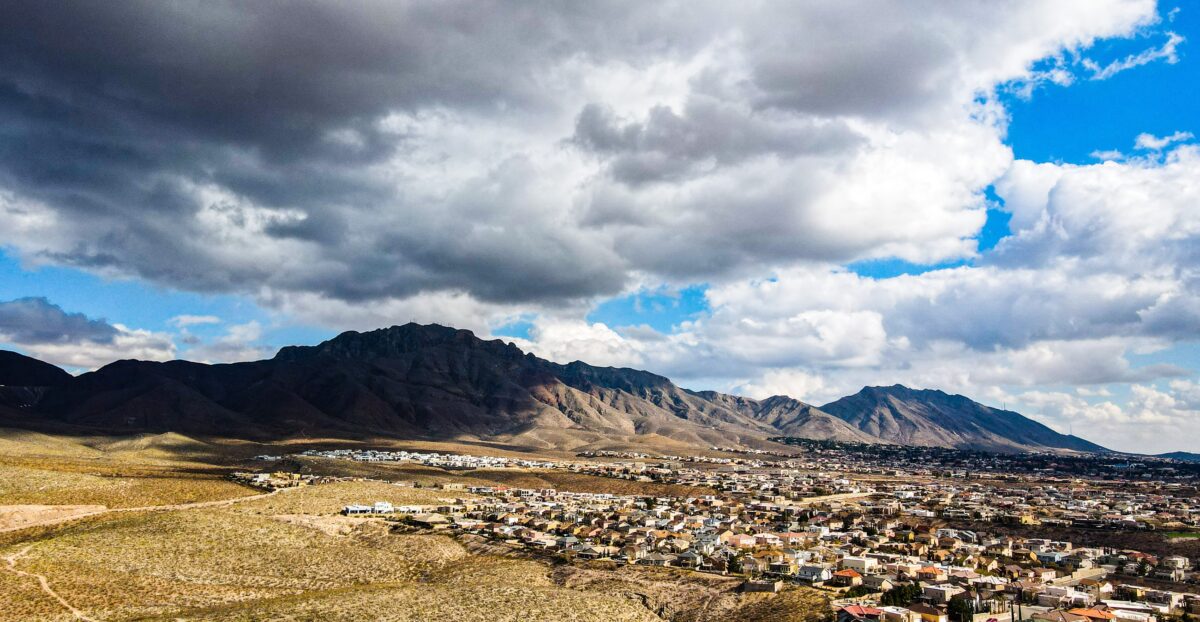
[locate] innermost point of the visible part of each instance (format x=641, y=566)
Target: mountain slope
x=405, y=381
x=18, y=370
x=794, y=418
x=1185, y=456
x=436, y=382
x=907, y=416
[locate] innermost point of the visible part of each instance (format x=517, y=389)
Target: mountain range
x=434, y=382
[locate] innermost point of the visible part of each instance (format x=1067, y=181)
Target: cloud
x=1150, y=141
x=1166, y=52
x=372, y=154
x=363, y=165
x=184, y=321
x=44, y=330
x=793, y=383
x=1148, y=421
x=1107, y=154
x=1100, y=272
x=38, y=321
x=240, y=342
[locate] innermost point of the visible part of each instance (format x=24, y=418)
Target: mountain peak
x=18, y=370
x=935, y=418
x=436, y=381
x=396, y=341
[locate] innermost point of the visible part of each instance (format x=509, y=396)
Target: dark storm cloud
x=370, y=151
x=117, y=115
x=667, y=145
x=33, y=321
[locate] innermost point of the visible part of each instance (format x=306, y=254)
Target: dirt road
x=11, y=560
x=66, y=517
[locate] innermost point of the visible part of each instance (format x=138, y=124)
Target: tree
x=1143, y=567
x=901, y=595
x=859, y=591
x=961, y=610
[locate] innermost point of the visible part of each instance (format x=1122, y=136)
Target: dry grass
x=798, y=604
x=473, y=589
x=578, y=482
x=686, y=596
x=329, y=498
x=23, y=485
x=163, y=469
x=519, y=478
x=22, y=516
x=150, y=564
x=288, y=557
x=248, y=562
x=21, y=599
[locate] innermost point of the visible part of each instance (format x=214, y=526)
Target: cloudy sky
x=995, y=199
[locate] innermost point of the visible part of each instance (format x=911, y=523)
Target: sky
x=995, y=199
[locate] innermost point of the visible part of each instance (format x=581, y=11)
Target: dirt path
x=11, y=565
x=204, y=504
x=11, y=560
x=17, y=517
x=148, y=508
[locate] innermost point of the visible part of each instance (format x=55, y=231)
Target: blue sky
x=695, y=202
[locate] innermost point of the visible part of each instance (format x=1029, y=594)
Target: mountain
x=797, y=419
x=905, y=416
x=18, y=370
x=434, y=382
x=1185, y=456
x=25, y=380
x=406, y=381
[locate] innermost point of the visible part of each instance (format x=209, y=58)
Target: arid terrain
x=151, y=528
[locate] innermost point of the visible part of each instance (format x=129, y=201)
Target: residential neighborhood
x=887, y=542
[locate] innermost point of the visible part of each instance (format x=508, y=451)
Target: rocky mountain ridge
x=435, y=382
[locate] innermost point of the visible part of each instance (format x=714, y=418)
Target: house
x=879, y=582
x=862, y=565
x=1176, y=561
x=1167, y=573
x=929, y=613
x=899, y=614
x=1058, y=616
x=1093, y=614
x=1044, y=574
x=742, y=541
x=858, y=613
x=1056, y=596
x=1098, y=589
x=657, y=559
x=430, y=521
x=846, y=578
x=932, y=573
x=941, y=594
x=814, y=573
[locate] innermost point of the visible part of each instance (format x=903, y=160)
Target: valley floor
x=152, y=529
